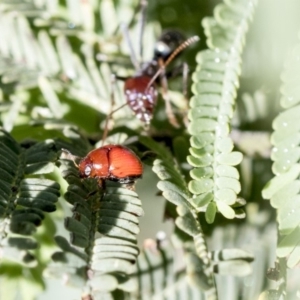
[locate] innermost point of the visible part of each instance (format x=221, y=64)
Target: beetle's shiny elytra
x=111, y=162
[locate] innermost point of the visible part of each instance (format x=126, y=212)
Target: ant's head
x=177, y=51
x=167, y=43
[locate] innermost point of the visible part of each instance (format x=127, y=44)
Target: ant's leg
x=165, y=95
x=136, y=61
x=182, y=70
x=130, y=47
x=121, y=78
x=175, y=72
x=112, y=111
x=163, y=65
x=142, y=21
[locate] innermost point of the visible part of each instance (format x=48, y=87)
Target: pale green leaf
x=287, y=244
x=206, y=99
x=228, y=183
x=207, y=87
x=204, y=172
x=204, y=161
x=294, y=257
x=227, y=196
x=279, y=198
x=289, y=101
x=288, y=142
x=208, y=75
x=202, y=125
x=280, y=181
x=203, y=199
x=210, y=212
x=165, y=186
x=201, y=186
x=187, y=224
x=174, y=197
x=283, y=163
x=285, y=152
x=224, y=145
x=202, y=139
x=288, y=215
x=225, y=210
x=57, y=109
x=232, y=159
x=199, y=153
x=285, y=119
x=227, y=171
x=203, y=111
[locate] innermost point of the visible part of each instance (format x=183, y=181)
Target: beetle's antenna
x=180, y=48
x=70, y=156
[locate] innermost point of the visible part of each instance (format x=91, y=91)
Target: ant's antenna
x=180, y=48
x=70, y=156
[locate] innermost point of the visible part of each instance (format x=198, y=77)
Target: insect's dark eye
x=87, y=170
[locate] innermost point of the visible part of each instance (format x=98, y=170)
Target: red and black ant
x=141, y=90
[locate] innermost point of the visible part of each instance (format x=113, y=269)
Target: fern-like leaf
x=283, y=189
x=215, y=182
x=174, y=189
x=24, y=198
x=103, y=227
x=156, y=274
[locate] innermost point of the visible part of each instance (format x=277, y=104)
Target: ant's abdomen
x=141, y=97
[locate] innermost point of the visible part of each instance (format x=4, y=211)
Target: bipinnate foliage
x=102, y=255
x=283, y=190
x=56, y=62
x=24, y=198
x=103, y=235
x=215, y=180
x=42, y=65
x=174, y=189
x=157, y=275
x=200, y=263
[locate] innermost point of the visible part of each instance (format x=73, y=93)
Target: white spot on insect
x=87, y=170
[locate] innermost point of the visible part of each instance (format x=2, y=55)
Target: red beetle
x=111, y=162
